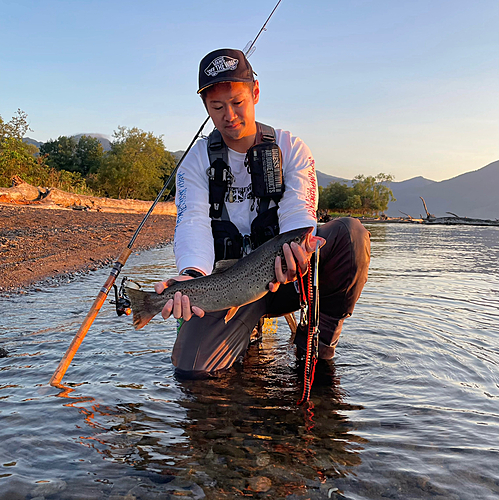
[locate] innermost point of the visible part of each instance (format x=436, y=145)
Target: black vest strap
x=217, y=148
x=264, y=133
x=220, y=174
x=229, y=243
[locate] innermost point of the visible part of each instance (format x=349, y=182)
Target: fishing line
x=120, y=262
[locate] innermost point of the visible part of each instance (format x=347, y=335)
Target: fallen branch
x=23, y=193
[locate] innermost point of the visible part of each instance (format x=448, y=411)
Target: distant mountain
x=325, y=179
x=106, y=143
x=177, y=155
x=414, y=183
x=473, y=194
x=28, y=140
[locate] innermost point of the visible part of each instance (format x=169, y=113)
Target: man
x=224, y=210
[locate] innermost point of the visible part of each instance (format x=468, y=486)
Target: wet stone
x=51, y=488
x=228, y=450
x=259, y=484
x=282, y=458
x=13, y=489
x=203, y=478
x=219, y=433
x=263, y=459
x=141, y=492
x=232, y=474
x=82, y=492
x=186, y=489
x=328, y=490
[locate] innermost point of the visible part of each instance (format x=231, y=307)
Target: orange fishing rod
x=113, y=275
x=120, y=262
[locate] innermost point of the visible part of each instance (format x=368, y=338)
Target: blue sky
x=403, y=87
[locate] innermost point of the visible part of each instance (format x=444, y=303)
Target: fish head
x=296, y=235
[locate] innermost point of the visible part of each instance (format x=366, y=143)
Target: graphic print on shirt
x=239, y=194
x=181, y=197
x=312, y=190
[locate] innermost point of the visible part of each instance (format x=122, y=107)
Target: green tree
x=66, y=153
x=16, y=156
x=61, y=153
x=89, y=155
x=353, y=202
x=367, y=195
x=136, y=166
x=373, y=192
x=322, y=204
x=19, y=158
x=16, y=128
x=334, y=196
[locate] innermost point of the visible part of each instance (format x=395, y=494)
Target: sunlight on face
x=231, y=106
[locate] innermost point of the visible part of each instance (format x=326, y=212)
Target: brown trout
x=228, y=287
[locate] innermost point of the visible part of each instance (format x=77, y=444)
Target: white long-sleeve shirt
x=193, y=241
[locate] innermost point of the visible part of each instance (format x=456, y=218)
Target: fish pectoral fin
x=231, y=313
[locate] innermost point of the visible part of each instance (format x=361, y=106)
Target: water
x=411, y=411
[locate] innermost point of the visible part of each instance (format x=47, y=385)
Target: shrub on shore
x=137, y=165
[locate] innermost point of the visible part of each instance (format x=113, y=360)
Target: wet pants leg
x=343, y=266
x=207, y=345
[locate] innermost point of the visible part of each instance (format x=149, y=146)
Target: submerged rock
x=49, y=488
x=259, y=484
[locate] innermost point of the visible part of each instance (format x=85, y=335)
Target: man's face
x=231, y=106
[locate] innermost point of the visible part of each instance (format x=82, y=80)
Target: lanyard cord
x=309, y=297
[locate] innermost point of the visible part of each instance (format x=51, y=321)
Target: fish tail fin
x=144, y=309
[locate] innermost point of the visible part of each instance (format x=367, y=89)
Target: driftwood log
x=456, y=219
x=407, y=215
x=428, y=215
x=22, y=193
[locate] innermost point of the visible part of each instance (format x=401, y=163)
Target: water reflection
x=240, y=433
x=246, y=425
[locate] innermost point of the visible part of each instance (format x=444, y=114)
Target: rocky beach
x=39, y=245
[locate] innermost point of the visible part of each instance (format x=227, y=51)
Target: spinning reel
x=121, y=300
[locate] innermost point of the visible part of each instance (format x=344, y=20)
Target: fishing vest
x=264, y=163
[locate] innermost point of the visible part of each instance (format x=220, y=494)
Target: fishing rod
x=120, y=262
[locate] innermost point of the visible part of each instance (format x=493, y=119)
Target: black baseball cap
x=224, y=65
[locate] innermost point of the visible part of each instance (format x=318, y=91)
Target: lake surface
x=411, y=410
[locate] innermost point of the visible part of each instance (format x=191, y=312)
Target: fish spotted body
x=244, y=282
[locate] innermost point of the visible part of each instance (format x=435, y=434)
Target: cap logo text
x=220, y=64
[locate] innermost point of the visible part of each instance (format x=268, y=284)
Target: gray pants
x=207, y=345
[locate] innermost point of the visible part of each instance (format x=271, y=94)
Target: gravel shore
x=37, y=244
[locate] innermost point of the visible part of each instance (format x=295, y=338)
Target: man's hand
x=297, y=258
x=180, y=305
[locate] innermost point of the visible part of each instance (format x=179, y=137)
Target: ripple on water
x=408, y=410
